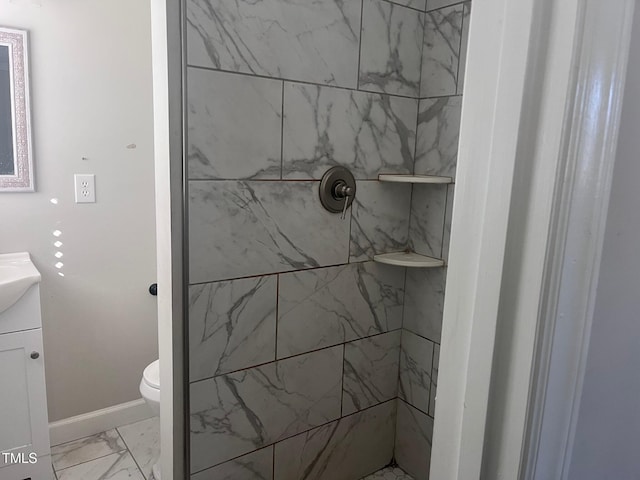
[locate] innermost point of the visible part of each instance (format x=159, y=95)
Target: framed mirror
x=16, y=154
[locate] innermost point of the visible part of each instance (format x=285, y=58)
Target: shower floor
x=389, y=473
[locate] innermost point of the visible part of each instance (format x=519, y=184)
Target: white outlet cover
x=85, y=188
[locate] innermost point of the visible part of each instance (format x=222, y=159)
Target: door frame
x=167, y=23
x=534, y=176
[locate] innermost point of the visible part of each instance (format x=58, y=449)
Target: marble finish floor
x=129, y=452
x=124, y=453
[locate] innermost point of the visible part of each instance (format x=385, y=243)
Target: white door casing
x=534, y=172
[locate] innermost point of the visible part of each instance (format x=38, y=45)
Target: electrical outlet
x=85, y=188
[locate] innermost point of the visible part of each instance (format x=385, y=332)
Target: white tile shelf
x=386, y=177
x=409, y=259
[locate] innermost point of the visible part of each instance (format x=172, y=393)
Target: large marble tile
x=143, y=441
x=464, y=43
x=293, y=39
x=89, y=448
x=426, y=229
x=234, y=124
x=391, y=48
x=414, y=434
x=448, y=215
x=438, y=135
x=232, y=325
x=117, y=466
x=328, y=306
x=368, y=133
x=416, y=362
x=240, y=229
x=389, y=473
x=436, y=4
x=441, y=52
x=347, y=449
x=370, y=371
x=256, y=465
x=380, y=219
x=424, y=302
x=237, y=413
x=434, y=379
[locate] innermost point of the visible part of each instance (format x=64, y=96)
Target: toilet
x=150, y=391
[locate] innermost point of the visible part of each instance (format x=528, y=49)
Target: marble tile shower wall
x=443, y=61
x=295, y=335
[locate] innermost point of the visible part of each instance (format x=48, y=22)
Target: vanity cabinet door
x=24, y=428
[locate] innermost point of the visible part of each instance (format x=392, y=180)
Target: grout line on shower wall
x=274, y=443
x=404, y=295
x=301, y=82
x=344, y=352
x=282, y=273
x=433, y=357
x=282, y=135
x=405, y=6
x=360, y=44
x=459, y=2
x=297, y=355
x=273, y=461
x=460, y=47
x=413, y=406
x=444, y=220
x=421, y=336
x=275, y=350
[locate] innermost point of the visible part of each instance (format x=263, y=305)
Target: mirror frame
x=22, y=179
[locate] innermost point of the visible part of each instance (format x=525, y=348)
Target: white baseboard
x=98, y=421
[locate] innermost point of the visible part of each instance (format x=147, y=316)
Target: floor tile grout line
x=80, y=439
x=87, y=461
x=130, y=452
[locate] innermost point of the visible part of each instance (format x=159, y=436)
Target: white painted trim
x=168, y=71
x=573, y=263
x=540, y=154
x=500, y=32
x=516, y=137
x=87, y=424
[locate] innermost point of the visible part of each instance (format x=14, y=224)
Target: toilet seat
x=151, y=374
x=150, y=391
x=150, y=386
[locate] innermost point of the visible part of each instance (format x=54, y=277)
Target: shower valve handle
x=342, y=191
x=337, y=190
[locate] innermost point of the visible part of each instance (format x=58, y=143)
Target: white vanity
x=24, y=426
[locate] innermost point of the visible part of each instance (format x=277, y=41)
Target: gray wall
x=295, y=334
x=608, y=432
x=91, y=97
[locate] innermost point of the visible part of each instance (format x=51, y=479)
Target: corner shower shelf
x=386, y=177
x=409, y=259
